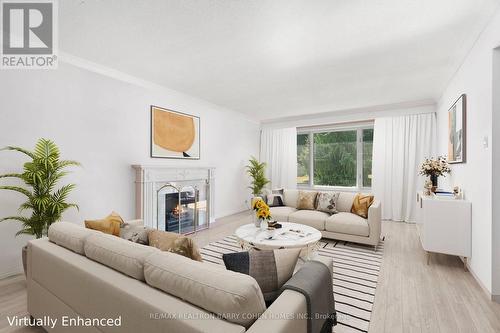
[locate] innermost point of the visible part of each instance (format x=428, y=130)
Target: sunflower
x=264, y=213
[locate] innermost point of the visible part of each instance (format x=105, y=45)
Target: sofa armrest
x=375, y=222
x=287, y=314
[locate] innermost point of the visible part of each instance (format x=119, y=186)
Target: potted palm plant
x=256, y=170
x=45, y=203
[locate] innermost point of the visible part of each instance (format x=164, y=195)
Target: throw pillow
x=175, y=243
x=361, y=204
x=307, y=199
x=109, y=225
x=135, y=233
x=270, y=268
x=327, y=202
x=274, y=200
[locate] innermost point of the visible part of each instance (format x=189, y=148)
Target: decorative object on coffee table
x=290, y=235
x=262, y=213
x=435, y=167
x=40, y=175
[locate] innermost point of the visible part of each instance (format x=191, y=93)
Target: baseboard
x=483, y=287
x=11, y=271
x=495, y=298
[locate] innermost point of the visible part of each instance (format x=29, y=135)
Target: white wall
x=474, y=78
x=495, y=141
x=104, y=123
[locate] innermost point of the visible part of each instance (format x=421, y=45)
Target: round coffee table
x=290, y=235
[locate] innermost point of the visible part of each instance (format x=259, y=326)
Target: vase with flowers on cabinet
x=434, y=168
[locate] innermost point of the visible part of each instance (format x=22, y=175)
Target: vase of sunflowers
x=262, y=213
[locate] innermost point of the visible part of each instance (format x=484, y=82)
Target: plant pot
x=24, y=255
x=434, y=180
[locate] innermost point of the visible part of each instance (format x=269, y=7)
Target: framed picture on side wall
x=457, y=120
x=174, y=134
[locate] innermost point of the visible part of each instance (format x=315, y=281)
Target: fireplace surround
x=174, y=199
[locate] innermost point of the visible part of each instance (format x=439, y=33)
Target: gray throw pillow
x=270, y=268
x=327, y=202
x=134, y=233
x=275, y=200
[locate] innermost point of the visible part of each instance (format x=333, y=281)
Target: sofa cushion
x=327, y=202
x=361, y=204
x=135, y=233
x=345, y=200
x=274, y=200
x=281, y=213
x=291, y=197
x=348, y=223
x=270, y=268
x=312, y=218
x=69, y=235
x=109, y=225
x=118, y=253
x=234, y=296
x=307, y=200
x=173, y=242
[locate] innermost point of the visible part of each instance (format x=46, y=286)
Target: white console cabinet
x=444, y=225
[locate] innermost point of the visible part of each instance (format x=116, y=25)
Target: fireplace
x=181, y=213
x=175, y=200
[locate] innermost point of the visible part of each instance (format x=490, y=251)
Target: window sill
x=334, y=188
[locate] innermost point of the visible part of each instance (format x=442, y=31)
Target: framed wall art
x=174, y=134
x=457, y=121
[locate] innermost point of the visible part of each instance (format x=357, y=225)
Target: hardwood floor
x=411, y=295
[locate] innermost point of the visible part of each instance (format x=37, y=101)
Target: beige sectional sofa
x=342, y=226
x=77, y=272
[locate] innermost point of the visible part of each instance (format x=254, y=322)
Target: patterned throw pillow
x=361, y=204
x=135, y=233
x=270, y=268
x=175, y=243
x=109, y=225
x=327, y=202
x=274, y=200
x=307, y=199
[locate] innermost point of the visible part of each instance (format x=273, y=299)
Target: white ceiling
x=279, y=58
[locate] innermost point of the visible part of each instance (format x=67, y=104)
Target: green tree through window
x=335, y=158
x=339, y=157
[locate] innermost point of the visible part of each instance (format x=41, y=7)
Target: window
x=303, y=159
x=335, y=157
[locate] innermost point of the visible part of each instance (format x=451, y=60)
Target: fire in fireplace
x=181, y=214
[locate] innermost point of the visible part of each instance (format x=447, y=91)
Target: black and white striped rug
x=355, y=273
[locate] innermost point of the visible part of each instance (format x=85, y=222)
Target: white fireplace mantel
x=148, y=178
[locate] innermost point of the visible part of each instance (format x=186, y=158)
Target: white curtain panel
x=278, y=148
x=400, y=144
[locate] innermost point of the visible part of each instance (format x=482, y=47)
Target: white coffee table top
x=290, y=235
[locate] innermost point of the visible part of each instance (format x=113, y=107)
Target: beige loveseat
x=342, y=226
x=78, y=272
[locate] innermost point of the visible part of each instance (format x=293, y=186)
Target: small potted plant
x=435, y=167
x=44, y=201
x=262, y=213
